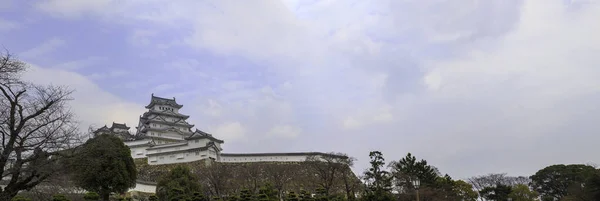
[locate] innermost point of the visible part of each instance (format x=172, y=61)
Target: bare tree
x=218, y=177
x=349, y=179
x=279, y=175
x=35, y=124
x=327, y=167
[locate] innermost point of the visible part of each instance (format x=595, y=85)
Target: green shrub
x=60, y=197
x=91, y=196
x=20, y=198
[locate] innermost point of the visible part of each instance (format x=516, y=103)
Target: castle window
x=197, y=153
x=172, y=156
x=162, y=157
x=197, y=141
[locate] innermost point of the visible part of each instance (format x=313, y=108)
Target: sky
x=472, y=86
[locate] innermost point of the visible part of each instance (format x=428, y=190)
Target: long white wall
x=262, y=158
x=144, y=187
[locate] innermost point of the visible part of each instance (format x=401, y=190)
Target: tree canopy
x=178, y=184
x=104, y=165
x=560, y=181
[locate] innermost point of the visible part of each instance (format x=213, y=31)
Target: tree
x=292, y=196
x=216, y=176
x=593, y=186
x=349, y=179
x=378, y=180
x=35, y=123
x=91, y=196
x=278, y=175
x=491, y=180
x=558, y=181
x=327, y=168
x=104, y=165
x=267, y=193
x=179, y=183
x=521, y=192
x=408, y=168
x=464, y=191
x=499, y=192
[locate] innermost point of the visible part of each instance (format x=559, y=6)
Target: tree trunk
x=105, y=196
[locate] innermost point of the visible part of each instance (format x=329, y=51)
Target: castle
x=164, y=136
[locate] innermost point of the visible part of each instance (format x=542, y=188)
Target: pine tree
x=292, y=196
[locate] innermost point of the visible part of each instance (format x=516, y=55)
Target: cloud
x=74, y=8
x=45, y=48
x=476, y=87
x=110, y=74
x=229, y=131
x=285, y=131
x=6, y=25
x=79, y=64
x=92, y=105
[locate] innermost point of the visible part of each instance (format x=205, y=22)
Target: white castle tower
x=165, y=137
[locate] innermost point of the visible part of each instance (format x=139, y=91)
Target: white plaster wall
x=137, y=142
x=138, y=152
x=178, y=157
x=274, y=158
x=146, y=188
x=198, y=143
x=168, y=149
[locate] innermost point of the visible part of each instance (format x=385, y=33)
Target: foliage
x=59, y=197
x=559, y=181
x=179, y=183
x=408, y=169
x=593, y=186
x=153, y=198
x=267, y=193
x=464, y=191
x=104, y=165
x=20, y=198
x=499, y=192
x=292, y=196
x=91, y=196
x=35, y=124
x=246, y=195
x=521, y=192
x=379, y=181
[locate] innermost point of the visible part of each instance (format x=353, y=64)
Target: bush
x=20, y=198
x=153, y=198
x=60, y=197
x=91, y=196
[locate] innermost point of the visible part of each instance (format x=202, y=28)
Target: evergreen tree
x=246, y=195
x=321, y=194
x=104, y=165
x=379, y=181
x=306, y=196
x=292, y=196
x=179, y=183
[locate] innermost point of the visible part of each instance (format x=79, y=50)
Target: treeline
x=575, y=182
x=396, y=180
